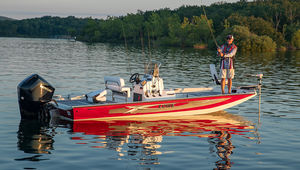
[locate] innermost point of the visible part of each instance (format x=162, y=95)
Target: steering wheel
x=134, y=78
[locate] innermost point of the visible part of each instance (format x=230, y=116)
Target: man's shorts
x=227, y=73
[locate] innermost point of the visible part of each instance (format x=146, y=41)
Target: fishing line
x=149, y=53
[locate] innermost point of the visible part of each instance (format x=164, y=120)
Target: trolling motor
x=33, y=93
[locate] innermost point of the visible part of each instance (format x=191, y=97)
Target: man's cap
x=229, y=37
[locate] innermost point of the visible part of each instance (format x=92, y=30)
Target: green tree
x=201, y=31
x=133, y=24
x=155, y=26
x=90, y=32
x=258, y=26
x=174, y=31
x=184, y=26
x=296, y=39
x=247, y=41
x=112, y=30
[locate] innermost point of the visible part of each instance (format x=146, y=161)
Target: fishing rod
x=212, y=34
x=123, y=30
x=126, y=46
x=146, y=69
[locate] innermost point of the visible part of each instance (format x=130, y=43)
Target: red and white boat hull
x=174, y=107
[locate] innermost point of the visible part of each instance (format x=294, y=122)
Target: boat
x=147, y=97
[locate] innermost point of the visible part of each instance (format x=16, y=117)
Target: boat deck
x=198, y=94
x=81, y=102
x=84, y=102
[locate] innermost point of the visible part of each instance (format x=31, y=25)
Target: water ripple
x=77, y=68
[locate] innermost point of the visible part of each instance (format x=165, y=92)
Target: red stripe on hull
x=150, y=108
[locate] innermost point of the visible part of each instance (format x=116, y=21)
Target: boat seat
x=96, y=96
x=117, y=86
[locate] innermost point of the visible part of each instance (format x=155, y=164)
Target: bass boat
x=147, y=97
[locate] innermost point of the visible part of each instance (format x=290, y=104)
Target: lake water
x=236, y=138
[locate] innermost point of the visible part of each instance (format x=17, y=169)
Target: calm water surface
x=231, y=139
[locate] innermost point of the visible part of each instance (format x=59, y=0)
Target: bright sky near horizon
x=89, y=8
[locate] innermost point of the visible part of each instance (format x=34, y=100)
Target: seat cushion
x=96, y=96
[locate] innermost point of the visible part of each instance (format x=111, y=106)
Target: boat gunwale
x=142, y=102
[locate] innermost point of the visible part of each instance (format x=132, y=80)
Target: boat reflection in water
x=223, y=147
x=141, y=139
x=36, y=137
x=137, y=139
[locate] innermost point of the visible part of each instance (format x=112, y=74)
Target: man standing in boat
x=227, y=53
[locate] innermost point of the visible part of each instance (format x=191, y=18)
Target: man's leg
x=230, y=76
x=223, y=85
x=229, y=85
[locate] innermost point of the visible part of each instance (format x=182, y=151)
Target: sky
x=21, y=9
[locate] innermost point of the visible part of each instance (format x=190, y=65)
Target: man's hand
x=220, y=52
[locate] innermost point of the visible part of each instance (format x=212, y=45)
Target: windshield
x=152, y=68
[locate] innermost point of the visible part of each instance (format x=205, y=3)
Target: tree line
x=259, y=25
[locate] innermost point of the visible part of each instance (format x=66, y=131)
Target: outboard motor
x=33, y=93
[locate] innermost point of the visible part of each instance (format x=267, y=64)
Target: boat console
x=146, y=87
x=150, y=86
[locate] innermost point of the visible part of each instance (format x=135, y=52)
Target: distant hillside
x=260, y=25
x=2, y=18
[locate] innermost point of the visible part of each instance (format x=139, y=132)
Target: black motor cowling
x=33, y=93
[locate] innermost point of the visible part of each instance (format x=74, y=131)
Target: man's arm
x=231, y=54
x=220, y=51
